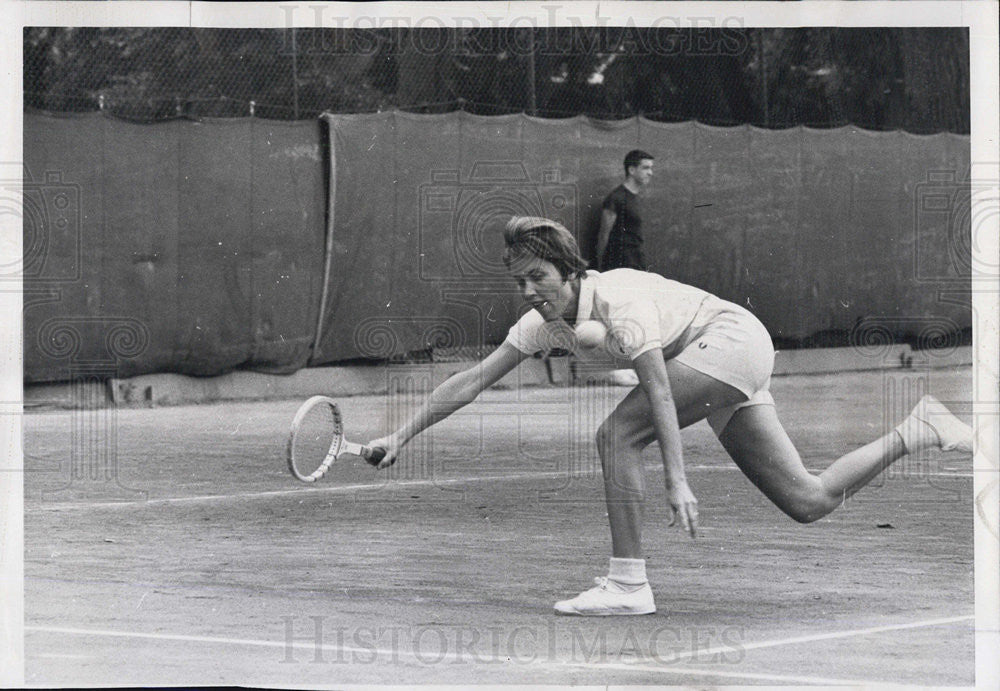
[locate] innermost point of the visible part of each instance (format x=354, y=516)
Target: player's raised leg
x=761, y=448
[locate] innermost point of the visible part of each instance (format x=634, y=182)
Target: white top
x=640, y=310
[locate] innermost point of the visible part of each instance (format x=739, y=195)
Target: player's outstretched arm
x=453, y=394
x=655, y=382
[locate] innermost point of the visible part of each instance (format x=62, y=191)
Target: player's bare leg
x=761, y=448
x=629, y=430
x=620, y=441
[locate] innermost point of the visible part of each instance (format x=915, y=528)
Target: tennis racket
x=317, y=440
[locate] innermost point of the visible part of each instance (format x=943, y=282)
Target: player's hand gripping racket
x=317, y=440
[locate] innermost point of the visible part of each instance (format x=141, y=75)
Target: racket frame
x=338, y=444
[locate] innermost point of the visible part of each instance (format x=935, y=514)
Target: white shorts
x=732, y=346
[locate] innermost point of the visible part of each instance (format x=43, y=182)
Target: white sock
x=627, y=571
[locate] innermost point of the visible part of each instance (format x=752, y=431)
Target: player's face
x=643, y=172
x=540, y=282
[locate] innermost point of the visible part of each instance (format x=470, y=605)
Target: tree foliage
x=915, y=79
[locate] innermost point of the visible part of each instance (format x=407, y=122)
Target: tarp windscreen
x=177, y=247
x=199, y=247
x=815, y=231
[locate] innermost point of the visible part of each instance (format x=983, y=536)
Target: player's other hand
x=684, y=506
x=391, y=447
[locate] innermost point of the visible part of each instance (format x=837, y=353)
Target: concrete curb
x=350, y=380
x=353, y=380
x=878, y=357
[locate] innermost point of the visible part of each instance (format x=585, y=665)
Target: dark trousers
x=623, y=257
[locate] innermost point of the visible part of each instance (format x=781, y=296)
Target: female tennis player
x=697, y=356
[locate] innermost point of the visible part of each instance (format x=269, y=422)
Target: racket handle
x=371, y=455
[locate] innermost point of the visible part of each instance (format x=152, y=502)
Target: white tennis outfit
x=643, y=311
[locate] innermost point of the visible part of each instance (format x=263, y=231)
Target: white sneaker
x=608, y=598
x=937, y=426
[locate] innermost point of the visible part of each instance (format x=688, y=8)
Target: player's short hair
x=635, y=157
x=545, y=239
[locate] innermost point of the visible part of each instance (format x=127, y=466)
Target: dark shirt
x=624, y=249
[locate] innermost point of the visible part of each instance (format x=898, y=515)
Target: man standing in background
x=619, y=241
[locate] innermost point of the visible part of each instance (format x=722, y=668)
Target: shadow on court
x=171, y=546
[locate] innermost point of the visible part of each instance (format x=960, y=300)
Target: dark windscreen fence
x=179, y=247
x=819, y=233
x=200, y=247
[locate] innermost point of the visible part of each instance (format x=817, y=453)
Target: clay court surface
x=202, y=561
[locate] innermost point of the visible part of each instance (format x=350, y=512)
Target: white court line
x=828, y=636
x=814, y=681
x=388, y=484
x=395, y=654
x=332, y=489
x=782, y=642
